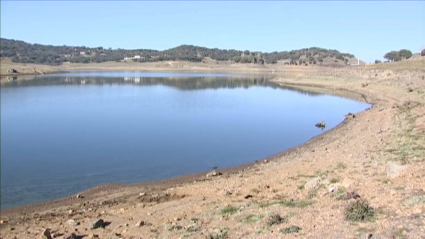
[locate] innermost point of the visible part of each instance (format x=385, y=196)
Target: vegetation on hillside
x=398, y=55
x=22, y=52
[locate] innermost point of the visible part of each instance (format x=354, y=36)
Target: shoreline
x=188, y=178
x=354, y=155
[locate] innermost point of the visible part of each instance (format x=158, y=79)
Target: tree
x=392, y=56
x=406, y=54
x=378, y=61
x=398, y=55
x=423, y=52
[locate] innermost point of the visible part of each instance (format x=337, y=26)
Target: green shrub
x=291, y=229
x=360, y=210
x=229, y=210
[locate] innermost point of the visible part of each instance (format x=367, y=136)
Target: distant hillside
x=20, y=51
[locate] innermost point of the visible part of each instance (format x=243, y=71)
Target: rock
x=321, y=124
x=213, y=174
x=91, y=236
x=70, y=211
x=98, y=223
x=79, y=196
x=248, y=196
x=2, y=222
x=227, y=193
x=312, y=184
x=350, y=116
x=70, y=236
x=140, y=224
x=366, y=235
x=46, y=234
x=72, y=222
x=394, y=169
x=346, y=183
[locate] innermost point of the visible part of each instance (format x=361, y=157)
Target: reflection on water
x=62, y=134
x=182, y=83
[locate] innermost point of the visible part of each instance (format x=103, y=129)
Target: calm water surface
x=61, y=134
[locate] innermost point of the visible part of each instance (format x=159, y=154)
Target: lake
x=62, y=134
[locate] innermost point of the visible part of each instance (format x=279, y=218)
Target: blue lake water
x=62, y=134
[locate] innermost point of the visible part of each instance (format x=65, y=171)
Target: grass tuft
x=275, y=219
x=252, y=218
x=360, y=210
x=229, y=210
x=219, y=235
x=334, y=180
x=291, y=229
x=293, y=203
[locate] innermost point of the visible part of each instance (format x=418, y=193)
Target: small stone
x=394, y=170
x=266, y=161
x=70, y=211
x=312, y=184
x=98, y=223
x=142, y=194
x=346, y=183
x=2, y=221
x=91, y=235
x=248, y=196
x=140, y=224
x=46, y=234
x=78, y=196
x=213, y=174
x=72, y=222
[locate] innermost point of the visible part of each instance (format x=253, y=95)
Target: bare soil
x=377, y=156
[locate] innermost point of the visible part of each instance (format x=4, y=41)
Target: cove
x=62, y=134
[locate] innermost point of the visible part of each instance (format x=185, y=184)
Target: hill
x=22, y=52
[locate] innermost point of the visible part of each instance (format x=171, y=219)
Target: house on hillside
x=136, y=57
x=82, y=52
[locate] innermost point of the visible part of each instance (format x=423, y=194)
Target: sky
x=367, y=29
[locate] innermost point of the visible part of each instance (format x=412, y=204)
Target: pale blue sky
x=369, y=28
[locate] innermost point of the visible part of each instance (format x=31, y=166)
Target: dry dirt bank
x=377, y=156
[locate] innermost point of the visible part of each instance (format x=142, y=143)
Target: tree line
x=20, y=51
